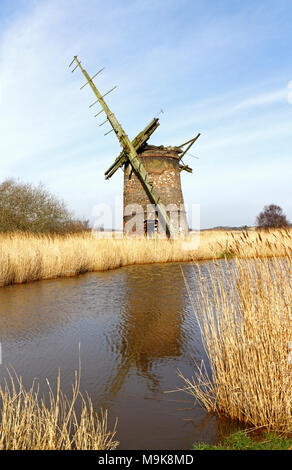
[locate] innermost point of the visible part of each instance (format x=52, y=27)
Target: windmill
x=140, y=184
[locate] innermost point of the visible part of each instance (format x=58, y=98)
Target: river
x=136, y=328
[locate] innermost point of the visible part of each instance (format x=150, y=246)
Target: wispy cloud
x=276, y=96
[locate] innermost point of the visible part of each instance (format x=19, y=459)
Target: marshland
x=165, y=343
x=122, y=122
x=26, y=257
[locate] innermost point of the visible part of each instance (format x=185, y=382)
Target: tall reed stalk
x=244, y=310
x=28, y=422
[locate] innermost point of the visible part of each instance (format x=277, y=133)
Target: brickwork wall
x=162, y=165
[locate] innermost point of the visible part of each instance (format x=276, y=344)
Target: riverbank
x=28, y=257
x=29, y=422
x=245, y=318
x=247, y=440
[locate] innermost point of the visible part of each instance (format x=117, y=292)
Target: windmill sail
x=129, y=153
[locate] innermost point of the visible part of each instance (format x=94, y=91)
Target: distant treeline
x=272, y=216
x=227, y=228
x=24, y=207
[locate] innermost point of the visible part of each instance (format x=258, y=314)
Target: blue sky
x=220, y=68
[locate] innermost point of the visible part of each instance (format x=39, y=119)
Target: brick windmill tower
x=153, y=200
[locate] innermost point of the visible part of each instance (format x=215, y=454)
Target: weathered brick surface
x=162, y=165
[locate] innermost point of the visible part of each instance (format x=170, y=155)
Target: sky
x=222, y=68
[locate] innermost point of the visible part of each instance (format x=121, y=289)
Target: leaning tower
x=163, y=167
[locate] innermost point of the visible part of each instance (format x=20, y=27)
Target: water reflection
x=151, y=320
x=136, y=328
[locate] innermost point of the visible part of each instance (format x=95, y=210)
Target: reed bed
x=26, y=257
x=29, y=423
x=216, y=244
x=244, y=310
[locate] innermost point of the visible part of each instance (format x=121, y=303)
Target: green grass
x=226, y=253
x=241, y=441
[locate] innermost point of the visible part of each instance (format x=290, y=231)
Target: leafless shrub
x=272, y=217
x=34, y=209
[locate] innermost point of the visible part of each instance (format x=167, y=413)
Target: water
x=136, y=328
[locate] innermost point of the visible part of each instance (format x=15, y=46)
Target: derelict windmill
x=151, y=174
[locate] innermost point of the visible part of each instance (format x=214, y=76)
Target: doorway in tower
x=150, y=227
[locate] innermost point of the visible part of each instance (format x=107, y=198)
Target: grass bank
x=244, y=311
x=28, y=257
x=247, y=441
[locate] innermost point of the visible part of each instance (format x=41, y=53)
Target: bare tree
x=271, y=217
x=27, y=208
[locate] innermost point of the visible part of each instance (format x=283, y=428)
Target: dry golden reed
x=29, y=423
x=28, y=257
x=244, y=310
